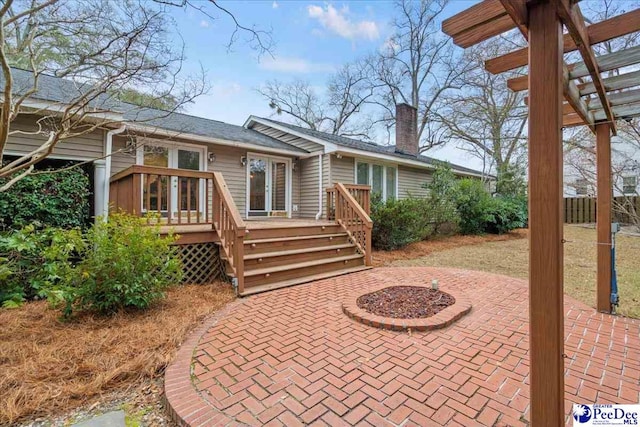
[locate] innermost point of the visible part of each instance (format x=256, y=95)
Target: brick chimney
x=406, y=129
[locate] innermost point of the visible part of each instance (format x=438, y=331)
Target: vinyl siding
x=343, y=170
x=287, y=138
x=411, y=181
x=308, y=206
x=83, y=147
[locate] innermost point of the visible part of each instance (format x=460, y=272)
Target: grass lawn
x=509, y=256
x=48, y=366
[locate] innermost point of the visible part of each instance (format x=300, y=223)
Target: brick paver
x=291, y=357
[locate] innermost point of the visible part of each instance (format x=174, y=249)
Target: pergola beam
x=617, y=26
x=517, y=10
x=572, y=17
x=572, y=95
x=622, y=81
x=617, y=99
x=619, y=111
x=608, y=62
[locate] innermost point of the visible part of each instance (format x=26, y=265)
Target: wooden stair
x=286, y=256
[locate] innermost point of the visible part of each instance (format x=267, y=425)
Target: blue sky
x=312, y=39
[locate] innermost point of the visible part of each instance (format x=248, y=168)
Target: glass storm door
x=268, y=187
x=258, y=186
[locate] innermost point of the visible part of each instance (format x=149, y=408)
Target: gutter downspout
x=320, y=167
x=108, y=153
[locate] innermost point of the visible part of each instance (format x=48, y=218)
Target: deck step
x=290, y=243
x=297, y=251
x=297, y=231
x=295, y=256
x=298, y=281
x=264, y=276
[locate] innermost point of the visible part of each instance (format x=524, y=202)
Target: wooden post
x=603, y=218
x=546, y=309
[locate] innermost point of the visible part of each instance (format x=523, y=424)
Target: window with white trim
x=629, y=184
x=383, y=179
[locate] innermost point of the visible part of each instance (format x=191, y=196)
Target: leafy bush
x=480, y=213
x=117, y=264
x=37, y=263
x=127, y=265
x=57, y=199
x=397, y=223
x=442, y=198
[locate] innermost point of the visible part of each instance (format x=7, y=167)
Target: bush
x=397, y=223
x=37, y=263
x=480, y=213
x=442, y=198
x=114, y=265
x=128, y=265
x=58, y=199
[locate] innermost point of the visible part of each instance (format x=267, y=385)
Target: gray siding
x=287, y=138
x=308, y=206
x=411, y=181
x=83, y=147
x=121, y=158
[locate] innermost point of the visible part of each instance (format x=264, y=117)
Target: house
x=580, y=170
x=284, y=204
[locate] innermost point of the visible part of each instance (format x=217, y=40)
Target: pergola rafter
x=589, y=99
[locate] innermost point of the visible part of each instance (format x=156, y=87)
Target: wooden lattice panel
x=201, y=263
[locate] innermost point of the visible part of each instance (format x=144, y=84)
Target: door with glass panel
x=185, y=201
x=268, y=187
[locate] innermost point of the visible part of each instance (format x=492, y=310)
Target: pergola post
x=545, y=215
x=603, y=218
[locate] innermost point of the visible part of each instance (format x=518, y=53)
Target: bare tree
x=417, y=66
x=485, y=118
x=102, y=49
x=339, y=111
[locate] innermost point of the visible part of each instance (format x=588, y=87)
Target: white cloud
x=338, y=22
x=226, y=89
x=275, y=5
x=294, y=65
x=204, y=23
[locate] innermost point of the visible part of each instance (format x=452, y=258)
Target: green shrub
x=37, y=263
x=397, y=223
x=474, y=205
x=480, y=213
x=57, y=199
x=442, y=198
x=127, y=265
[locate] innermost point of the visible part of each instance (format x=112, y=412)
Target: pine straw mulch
x=49, y=366
x=441, y=243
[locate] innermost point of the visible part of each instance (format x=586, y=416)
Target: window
x=629, y=184
x=382, y=179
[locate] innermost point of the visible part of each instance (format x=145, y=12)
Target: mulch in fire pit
x=405, y=302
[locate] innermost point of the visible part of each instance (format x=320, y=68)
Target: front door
x=268, y=186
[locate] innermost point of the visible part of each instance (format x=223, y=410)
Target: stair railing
x=354, y=220
x=230, y=227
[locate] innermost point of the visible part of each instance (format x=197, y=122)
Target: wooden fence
x=582, y=210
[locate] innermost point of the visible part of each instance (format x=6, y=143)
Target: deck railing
x=230, y=228
x=164, y=195
x=354, y=219
x=362, y=194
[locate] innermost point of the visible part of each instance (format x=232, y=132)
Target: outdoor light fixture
x=211, y=157
x=243, y=160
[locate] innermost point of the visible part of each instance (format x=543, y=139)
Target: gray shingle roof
x=58, y=90
x=368, y=146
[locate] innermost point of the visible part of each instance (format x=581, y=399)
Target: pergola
x=590, y=99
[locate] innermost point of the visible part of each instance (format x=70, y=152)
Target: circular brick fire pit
x=403, y=307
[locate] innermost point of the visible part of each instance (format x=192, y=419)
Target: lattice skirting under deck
x=201, y=263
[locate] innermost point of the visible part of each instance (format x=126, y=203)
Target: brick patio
x=291, y=357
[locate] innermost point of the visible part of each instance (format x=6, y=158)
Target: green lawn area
x=510, y=257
